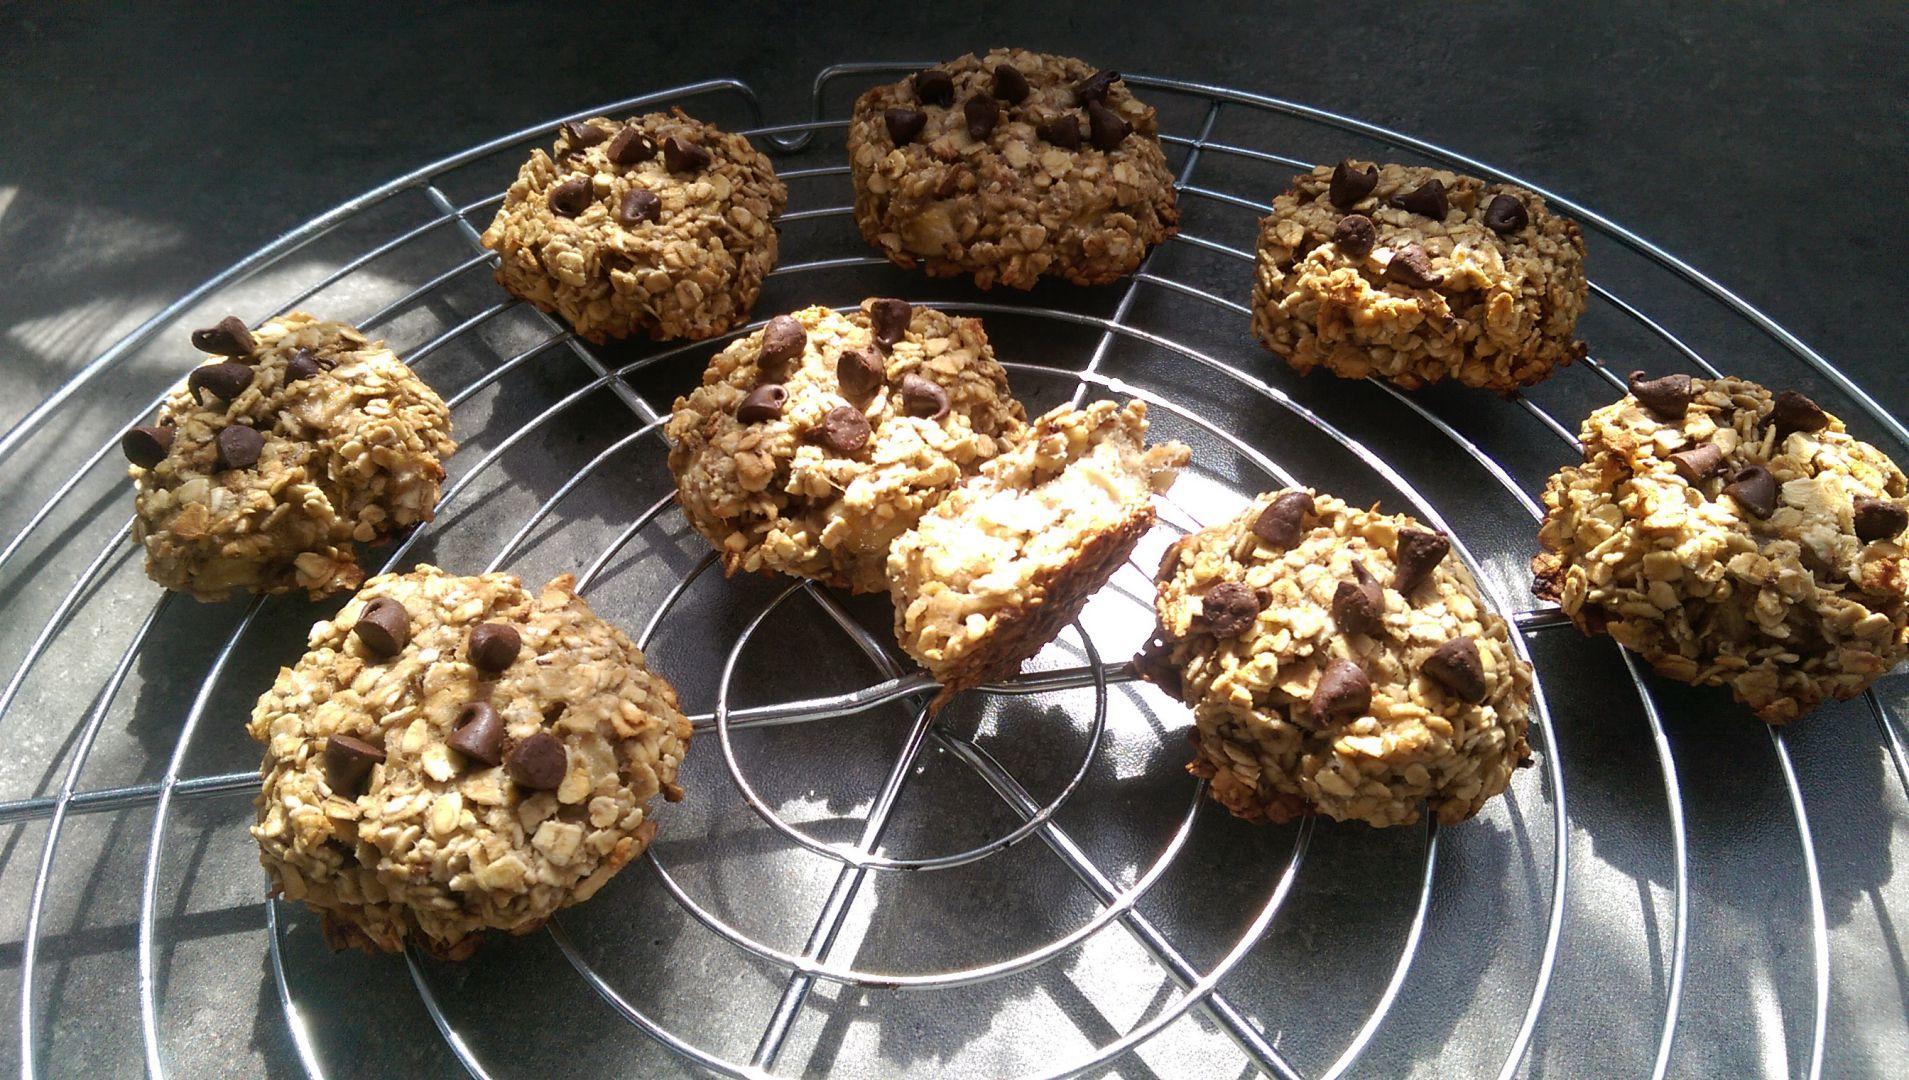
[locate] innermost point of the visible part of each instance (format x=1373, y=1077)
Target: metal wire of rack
x=1255, y=1029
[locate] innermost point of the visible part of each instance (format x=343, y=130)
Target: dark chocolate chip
x=782, y=341
x=581, y=133
x=1009, y=84
x=383, y=627
x=904, y=124
x=923, y=397
x=1669, y=396
x=571, y=197
x=1106, y=128
x=494, y=646
x=1343, y=690
x=845, y=430
x=681, y=155
x=1358, y=607
x=225, y=381
x=1457, y=666
x=478, y=732
x=983, y=112
x=239, y=446
x=146, y=446
x=1154, y=663
x=1229, y=609
x=228, y=338
x=1505, y=214
x=538, y=763
x=889, y=319
x=1702, y=460
x=765, y=402
x=1754, y=488
x=348, y=763
x=1878, y=519
x=859, y=373
x=637, y=207
x=1419, y=552
x=1428, y=199
x=934, y=87
x=1063, y=132
x=631, y=147
x=303, y=365
x=1794, y=412
x=1095, y=87
x=1349, y=185
x=1283, y=519
x=1356, y=235
x=1412, y=267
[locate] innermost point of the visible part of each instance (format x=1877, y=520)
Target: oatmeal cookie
x=455, y=754
x=1732, y=537
x=1416, y=275
x=817, y=440
x=658, y=224
x=1337, y=662
x=295, y=441
x=1000, y=567
x=1009, y=167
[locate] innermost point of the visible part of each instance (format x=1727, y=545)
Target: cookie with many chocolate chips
x=817, y=440
x=1010, y=167
x=457, y=754
x=298, y=441
x=659, y=225
x=1338, y=662
x=1733, y=537
x=1414, y=275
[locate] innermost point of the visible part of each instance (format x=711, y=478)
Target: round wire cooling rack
x=849, y=888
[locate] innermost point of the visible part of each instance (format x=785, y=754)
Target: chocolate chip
x=1356, y=235
x=383, y=627
x=1229, y=609
x=1754, y=488
x=765, y=402
x=303, y=365
x=1095, y=87
x=1457, y=666
x=348, y=763
x=1279, y=525
x=782, y=341
x=904, y=125
x=478, y=732
x=1428, y=199
x=1794, y=412
x=1412, y=267
x=859, y=373
x=1669, y=396
x=579, y=133
x=494, y=646
x=1009, y=84
x=1349, y=185
x=934, y=87
x=225, y=381
x=1358, y=607
x=1154, y=663
x=1106, y=128
x=681, y=155
x=631, y=147
x=571, y=197
x=983, y=112
x=1063, y=132
x=889, y=319
x=1418, y=553
x=845, y=430
x=1702, y=460
x=538, y=763
x=228, y=338
x=239, y=446
x=146, y=446
x=1505, y=214
x=1878, y=519
x=1343, y=690
x=923, y=397
x=639, y=206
